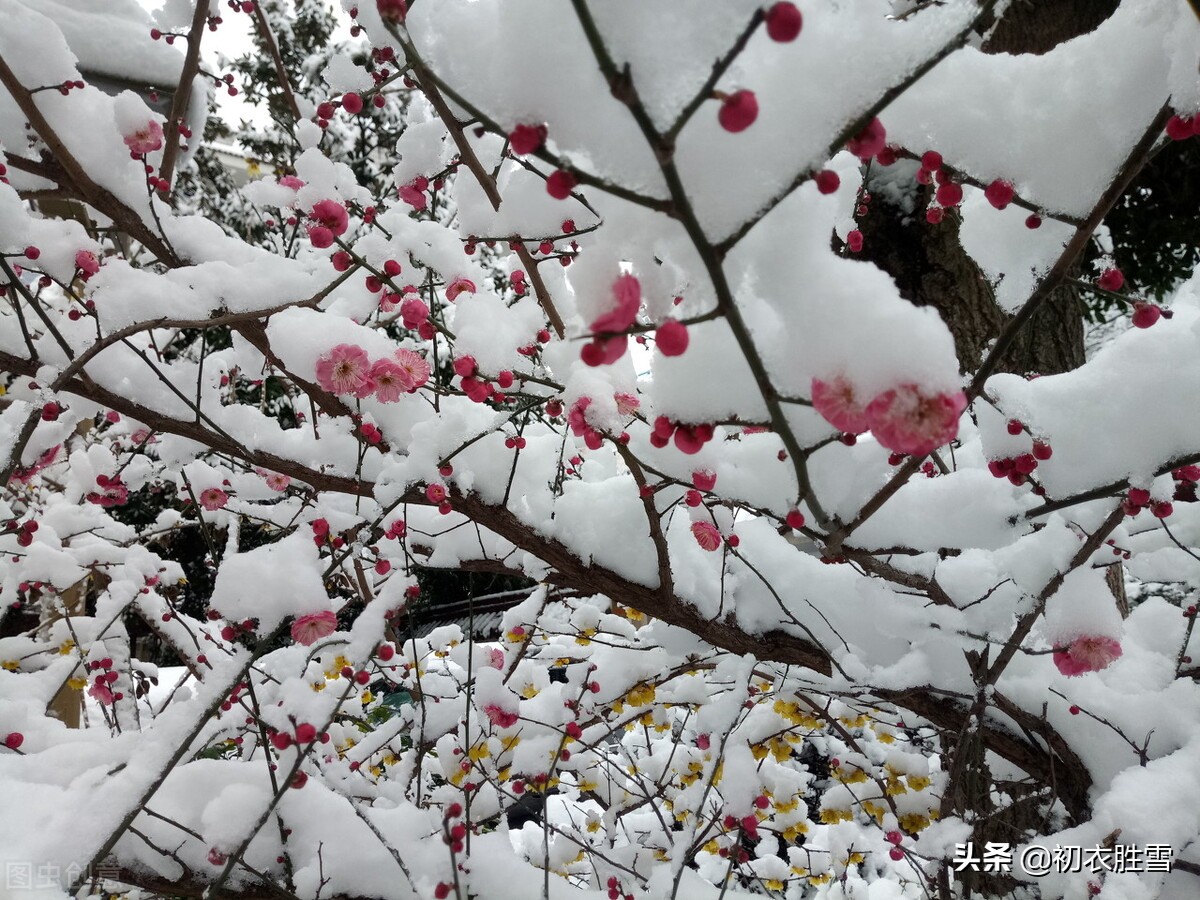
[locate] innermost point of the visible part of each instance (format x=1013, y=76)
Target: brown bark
x=1038, y=26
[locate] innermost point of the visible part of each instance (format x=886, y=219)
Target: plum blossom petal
x=908, y=420
x=146, y=139
x=309, y=629
x=706, y=535
x=627, y=291
x=391, y=380
x=836, y=401
x=415, y=365
x=1089, y=653
x=500, y=717
x=345, y=369
x=213, y=498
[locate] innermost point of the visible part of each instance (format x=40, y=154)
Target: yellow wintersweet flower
x=77, y=683
x=773, y=884
x=918, y=782
x=12, y=665
x=792, y=833
x=833, y=816
x=66, y=647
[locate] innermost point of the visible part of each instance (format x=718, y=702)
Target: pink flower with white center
x=213, y=498
x=415, y=365
x=1089, y=653
x=627, y=404
x=908, y=420
x=836, y=401
x=330, y=214
x=627, y=291
x=391, y=380
x=309, y=629
x=706, y=535
x=291, y=181
x=459, y=286
x=413, y=312
x=413, y=193
x=146, y=139
x=500, y=717
x=87, y=263
x=345, y=369
x=277, y=482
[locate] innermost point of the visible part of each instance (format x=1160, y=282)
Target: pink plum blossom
x=345, y=369
x=391, y=380
x=837, y=402
x=275, y=481
x=413, y=312
x=146, y=139
x=87, y=263
x=101, y=693
x=309, y=629
x=213, y=498
x=459, y=286
x=415, y=365
x=627, y=291
x=706, y=535
x=908, y=420
x=291, y=181
x=330, y=214
x=500, y=717
x=627, y=404
x=1089, y=653
x=413, y=193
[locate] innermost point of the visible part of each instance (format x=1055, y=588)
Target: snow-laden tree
x=720, y=324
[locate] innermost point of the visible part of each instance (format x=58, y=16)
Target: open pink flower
x=627, y=291
x=495, y=657
x=213, y=498
x=413, y=193
x=391, y=380
x=459, y=286
x=706, y=535
x=277, y=482
x=345, y=369
x=500, y=717
x=146, y=139
x=836, y=401
x=908, y=420
x=307, y=630
x=102, y=693
x=627, y=404
x=415, y=365
x=1089, y=653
